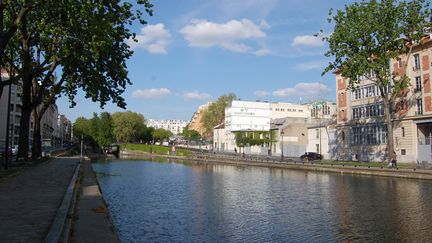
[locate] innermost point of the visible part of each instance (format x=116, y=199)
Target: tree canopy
x=161, y=134
x=85, y=40
x=128, y=126
x=215, y=114
x=367, y=35
x=190, y=133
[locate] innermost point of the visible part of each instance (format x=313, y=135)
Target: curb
x=58, y=225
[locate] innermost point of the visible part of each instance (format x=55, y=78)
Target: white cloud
x=229, y=36
x=261, y=93
x=262, y=52
x=151, y=93
x=307, y=40
x=303, y=90
x=195, y=95
x=314, y=65
x=153, y=38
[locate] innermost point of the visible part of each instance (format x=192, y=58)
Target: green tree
x=127, y=126
x=146, y=134
x=215, y=114
x=161, y=134
x=86, y=40
x=105, y=130
x=367, y=35
x=190, y=133
x=81, y=128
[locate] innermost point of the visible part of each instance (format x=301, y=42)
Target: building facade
x=195, y=122
x=282, y=110
x=172, y=125
x=361, y=130
x=285, y=123
x=49, y=122
x=14, y=111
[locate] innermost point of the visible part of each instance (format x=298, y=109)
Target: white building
x=322, y=139
x=14, y=111
x=282, y=110
x=64, y=130
x=174, y=126
x=48, y=124
x=247, y=116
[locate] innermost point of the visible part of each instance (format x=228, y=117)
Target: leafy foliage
x=367, y=35
x=190, y=134
x=215, y=114
x=85, y=39
x=105, y=127
x=161, y=134
x=128, y=126
x=254, y=138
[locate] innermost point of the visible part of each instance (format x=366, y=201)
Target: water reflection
x=190, y=202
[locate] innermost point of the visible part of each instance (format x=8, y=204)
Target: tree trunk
x=37, y=139
x=24, y=133
x=389, y=122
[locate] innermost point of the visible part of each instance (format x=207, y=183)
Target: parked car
x=15, y=149
x=311, y=156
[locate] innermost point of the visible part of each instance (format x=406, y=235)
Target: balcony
x=416, y=68
x=417, y=89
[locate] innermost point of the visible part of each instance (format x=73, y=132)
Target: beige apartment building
x=195, y=122
x=361, y=131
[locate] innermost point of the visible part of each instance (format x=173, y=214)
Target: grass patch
x=155, y=149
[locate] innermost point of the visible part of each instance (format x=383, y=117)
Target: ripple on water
x=167, y=202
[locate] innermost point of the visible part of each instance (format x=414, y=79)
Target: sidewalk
x=92, y=221
x=30, y=200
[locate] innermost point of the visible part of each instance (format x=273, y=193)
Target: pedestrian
x=235, y=150
x=394, y=162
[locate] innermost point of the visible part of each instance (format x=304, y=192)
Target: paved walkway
x=92, y=223
x=29, y=201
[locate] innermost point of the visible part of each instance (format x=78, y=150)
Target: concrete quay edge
x=57, y=228
x=420, y=174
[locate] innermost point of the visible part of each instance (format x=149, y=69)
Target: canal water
x=197, y=202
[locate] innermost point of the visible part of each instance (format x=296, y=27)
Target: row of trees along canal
x=121, y=127
x=55, y=48
x=128, y=127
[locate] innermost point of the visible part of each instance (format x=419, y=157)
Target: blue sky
x=193, y=51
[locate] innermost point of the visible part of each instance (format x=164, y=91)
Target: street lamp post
x=282, y=154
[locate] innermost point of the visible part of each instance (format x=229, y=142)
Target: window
x=369, y=135
x=416, y=62
x=403, y=151
x=343, y=136
x=317, y=133
x=418, y=83
x=419, y=106
x=317, y=148
x=403, y=131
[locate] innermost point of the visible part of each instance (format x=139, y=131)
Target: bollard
x=414, y=169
